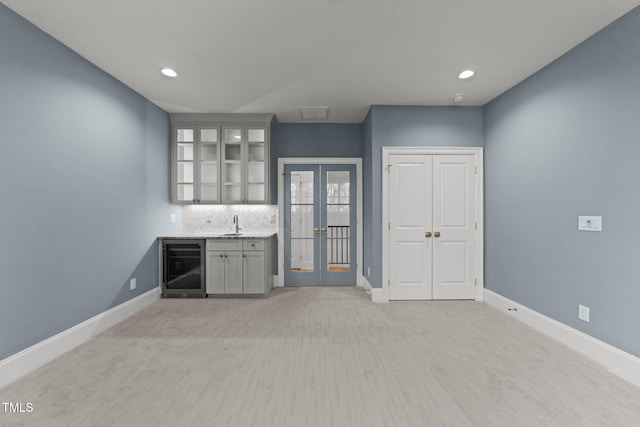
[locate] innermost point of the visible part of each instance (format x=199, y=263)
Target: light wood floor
x=322, y=357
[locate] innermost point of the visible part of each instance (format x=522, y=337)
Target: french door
x=432, y=226
x=319, y=225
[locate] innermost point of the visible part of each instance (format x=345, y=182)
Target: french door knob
x=316, y=230
x=436, y=234
x=324, y=230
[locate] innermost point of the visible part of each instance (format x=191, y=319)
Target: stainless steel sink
x=232, y=234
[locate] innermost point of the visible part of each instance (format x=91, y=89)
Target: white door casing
x=451, y=266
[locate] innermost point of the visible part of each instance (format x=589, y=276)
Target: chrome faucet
x=236, y=221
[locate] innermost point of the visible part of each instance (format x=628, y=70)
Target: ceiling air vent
x=314, y=113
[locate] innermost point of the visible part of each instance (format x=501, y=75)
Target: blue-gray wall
x=84, y=163
x=566, y=142
x=318, y=140
x=392, y=126
x=84, y=166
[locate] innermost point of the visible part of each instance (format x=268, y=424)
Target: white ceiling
x=260, y=56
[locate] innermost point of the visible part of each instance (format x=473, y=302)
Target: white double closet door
x=433, y=228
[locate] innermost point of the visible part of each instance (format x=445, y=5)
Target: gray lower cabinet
x=253, y=270
x=239, y=267
x=224, y=272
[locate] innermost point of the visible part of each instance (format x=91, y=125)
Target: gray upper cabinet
x=222, y=158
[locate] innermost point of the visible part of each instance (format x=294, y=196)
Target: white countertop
x=248, y=235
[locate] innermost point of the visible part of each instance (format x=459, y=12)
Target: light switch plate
x=132, y=284
x=590, y=223
x=172, y=217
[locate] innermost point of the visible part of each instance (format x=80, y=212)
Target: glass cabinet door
x=217, y=162
x=209, y=164
x=232, y=171
x=256, y=140
x=185, y=163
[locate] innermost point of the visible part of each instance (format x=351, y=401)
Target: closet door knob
x=427, y=234
x=436, y=234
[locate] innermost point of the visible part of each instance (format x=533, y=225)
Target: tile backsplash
x=219, y=218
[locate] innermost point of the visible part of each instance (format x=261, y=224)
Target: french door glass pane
x=338, y=221
x=302, y=221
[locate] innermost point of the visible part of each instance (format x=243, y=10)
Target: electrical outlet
x=172, y=218
x=583, y=313
x=132, y=284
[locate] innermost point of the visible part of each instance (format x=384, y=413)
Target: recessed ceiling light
x=169, y=72
x=458, y=98
x=466, y=74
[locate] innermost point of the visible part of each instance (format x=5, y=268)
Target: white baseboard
x=366, y=285
x=621, y=363
x=20, y=364
x=377, y=294
x=276, y=282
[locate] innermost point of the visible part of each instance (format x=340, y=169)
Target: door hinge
x=475, y=282
x=476, y=225
x=389, y=282
x=389, y=228
x=388, y=168
x=476, y=171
